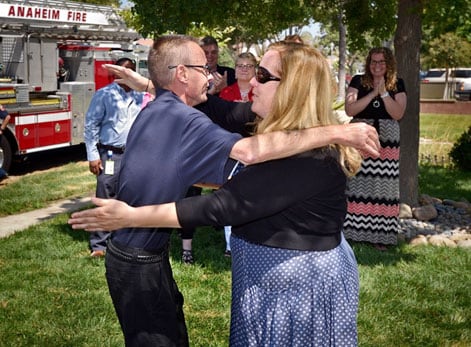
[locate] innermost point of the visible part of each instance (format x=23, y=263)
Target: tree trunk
x=407, y=46
x=342, y=54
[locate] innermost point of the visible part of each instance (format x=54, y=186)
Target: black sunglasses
x=263, y=76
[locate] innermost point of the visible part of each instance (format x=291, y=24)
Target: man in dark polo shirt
x=170, y=146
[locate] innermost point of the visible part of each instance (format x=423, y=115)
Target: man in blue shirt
x=109, y=117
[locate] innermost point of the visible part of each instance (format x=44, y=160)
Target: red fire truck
x=51, y=57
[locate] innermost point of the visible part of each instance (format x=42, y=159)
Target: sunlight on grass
x=437, y=135
x=443, y=128
x=39, y=189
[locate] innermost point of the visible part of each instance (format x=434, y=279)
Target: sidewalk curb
x=18, y=222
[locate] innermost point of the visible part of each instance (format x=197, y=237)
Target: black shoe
x=187, y=257
x=227, y=253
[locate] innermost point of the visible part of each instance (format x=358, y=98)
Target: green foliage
x=114, y=3
x=254, y=20
x=443, y=16
x=461, y=151
x=370, y=23
x=447, y=51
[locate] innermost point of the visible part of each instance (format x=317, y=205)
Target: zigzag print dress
x=373, y=194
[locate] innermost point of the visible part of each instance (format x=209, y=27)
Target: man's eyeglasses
x=244, y=66
x=205, y=68
x=378, y=62
x=263, y=76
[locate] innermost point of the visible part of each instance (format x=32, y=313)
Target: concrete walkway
x=11, y=224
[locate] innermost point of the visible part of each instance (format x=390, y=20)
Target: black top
x=376, y=108
x=294, y=203
x=235, y=117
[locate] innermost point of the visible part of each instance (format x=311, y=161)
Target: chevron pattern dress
x=373, y=194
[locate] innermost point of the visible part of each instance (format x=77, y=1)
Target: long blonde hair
x=304, y=97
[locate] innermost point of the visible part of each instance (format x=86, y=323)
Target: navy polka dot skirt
x=284, y=297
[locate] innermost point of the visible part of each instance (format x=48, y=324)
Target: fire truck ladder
x=111, y=29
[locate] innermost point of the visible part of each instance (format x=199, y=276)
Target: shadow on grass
x=75, y=235
x=208, y=249
x=208, y=245
x=367, y=255
x=437, y=181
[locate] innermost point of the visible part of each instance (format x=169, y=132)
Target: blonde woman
x=295, y=279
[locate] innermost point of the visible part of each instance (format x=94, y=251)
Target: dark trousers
x=106, y=187
x=146, y=298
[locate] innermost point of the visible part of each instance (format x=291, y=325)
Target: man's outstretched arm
x=280, y=144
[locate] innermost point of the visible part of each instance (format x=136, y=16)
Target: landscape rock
x=425, y=199
x=405, y=211
x=460, y=237
x=425, y=213
x=464, y=243
x=436, y=222
x=441, y=240
x=419, y=240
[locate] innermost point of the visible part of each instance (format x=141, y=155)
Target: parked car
x=463, y=89
x=432, y=86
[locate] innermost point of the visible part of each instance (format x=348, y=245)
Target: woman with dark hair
x=378, y=98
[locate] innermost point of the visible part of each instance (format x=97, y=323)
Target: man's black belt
x=117, y=150
x=136, y=255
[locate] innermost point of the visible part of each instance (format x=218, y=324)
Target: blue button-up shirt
x=109, y=117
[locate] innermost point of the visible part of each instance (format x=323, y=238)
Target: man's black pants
x=145, y=296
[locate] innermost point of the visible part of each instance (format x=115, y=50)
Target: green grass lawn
x=53, y=294
x=39, y=189
x=438, y=132
x=443, y=127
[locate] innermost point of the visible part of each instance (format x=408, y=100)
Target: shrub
x=461, y=151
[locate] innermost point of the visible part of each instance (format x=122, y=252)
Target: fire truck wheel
x=5, y=154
